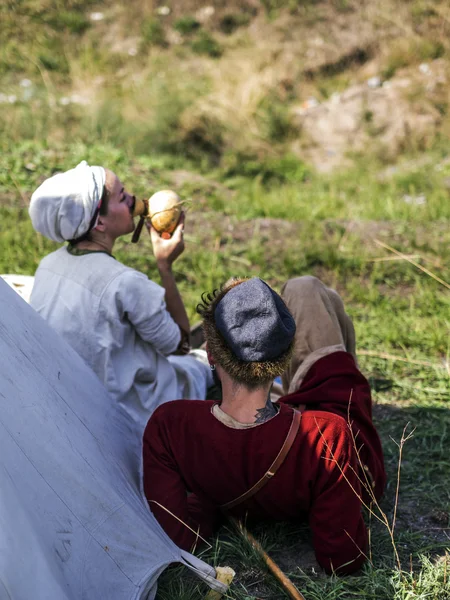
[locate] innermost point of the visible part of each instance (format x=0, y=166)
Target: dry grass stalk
x=369, y=535
x=366, y=484
x=358, y=548
x=223, y=574
x=393, y=15
x=413, y=262
x=391, y=258
x=445, y=16
x=17, y=186
x=345, y=236
x=196, y=533
x=411, y=361
x=436, y=262
x=400, y=445
x=369, y=488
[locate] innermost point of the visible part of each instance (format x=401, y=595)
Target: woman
x=126, y=327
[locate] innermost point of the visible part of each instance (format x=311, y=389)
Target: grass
x=138, y=87
x=153, y=33
x=406, y=51
x=186, y=25
x=222, y=139
x=204, y=43
x=396, y=309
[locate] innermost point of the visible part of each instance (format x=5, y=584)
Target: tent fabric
x=74, y=522
x=22, y=284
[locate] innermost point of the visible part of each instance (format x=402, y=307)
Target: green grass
x=38, y=32
x=205, y=43
x=186, y=25
x=153, y=33
x=323, y=226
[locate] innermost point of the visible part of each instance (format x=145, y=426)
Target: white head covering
x=63, y=207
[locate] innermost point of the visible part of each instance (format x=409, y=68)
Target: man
x=126, y=327
x=255, y=459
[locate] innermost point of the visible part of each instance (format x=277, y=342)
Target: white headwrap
x=63, y=207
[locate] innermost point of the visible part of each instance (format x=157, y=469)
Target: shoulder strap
x=273, y=467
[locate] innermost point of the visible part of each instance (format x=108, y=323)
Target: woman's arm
x=166, y=251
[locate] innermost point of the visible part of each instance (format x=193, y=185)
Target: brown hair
x=252, y=375
x=105, y=201
x=102, y=211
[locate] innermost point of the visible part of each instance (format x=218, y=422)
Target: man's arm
x=337, y=525
x=166, y=252
x=186, y=520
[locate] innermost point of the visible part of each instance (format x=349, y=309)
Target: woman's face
x=118, y=219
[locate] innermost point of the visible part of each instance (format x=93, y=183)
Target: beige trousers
x=323, y=326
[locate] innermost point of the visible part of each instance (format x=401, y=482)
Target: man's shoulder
x=324, y=422
x=182, y=409
x=322, y=434
x=178, y=416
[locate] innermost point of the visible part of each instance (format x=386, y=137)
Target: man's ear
x=209, y=355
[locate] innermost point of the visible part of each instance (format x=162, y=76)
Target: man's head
x=249, y=331
x=68, y=206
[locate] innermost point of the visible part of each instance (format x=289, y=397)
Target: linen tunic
x=117, y=321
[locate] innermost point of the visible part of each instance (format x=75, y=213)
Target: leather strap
x=296, y=417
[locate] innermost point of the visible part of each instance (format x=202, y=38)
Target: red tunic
x=185, y=448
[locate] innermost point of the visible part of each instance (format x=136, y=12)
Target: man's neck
x=247, y=406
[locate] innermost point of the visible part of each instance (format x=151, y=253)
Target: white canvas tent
x=74, y=524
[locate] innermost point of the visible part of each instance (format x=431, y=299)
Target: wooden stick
x=386, y=356
x=413, y=262
x=273, y=567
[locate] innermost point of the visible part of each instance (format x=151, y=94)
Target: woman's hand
x=166, y=251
